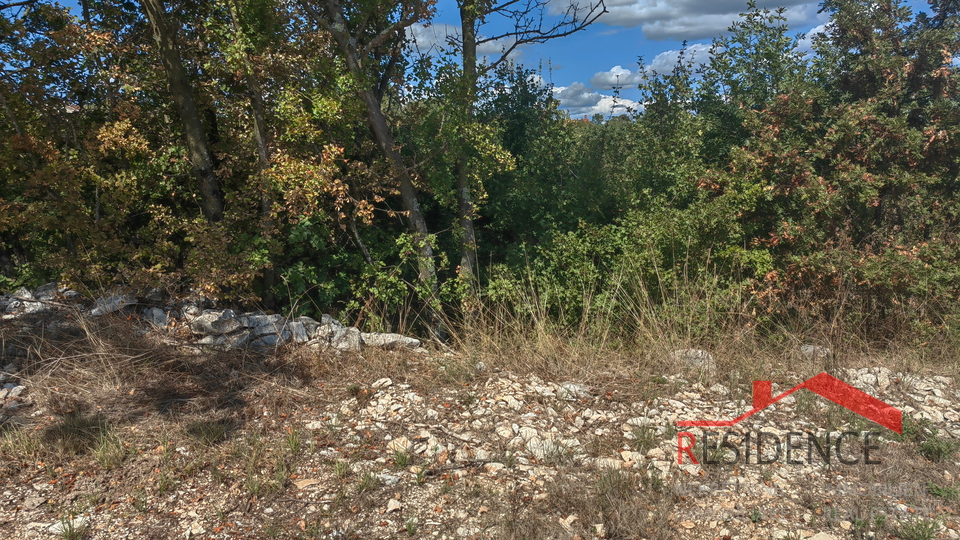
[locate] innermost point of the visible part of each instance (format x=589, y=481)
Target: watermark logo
x=823, y=385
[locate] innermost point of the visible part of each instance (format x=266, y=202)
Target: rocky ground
x=117, y=427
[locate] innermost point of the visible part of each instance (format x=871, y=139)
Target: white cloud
x=494, y=49
x=537, y=80
x=579, y=100
x=577, y=95
x=616, y=77
x=437, y=38
x=433, y=38
x=805, y=45
x=690, y=19
x=664, y=62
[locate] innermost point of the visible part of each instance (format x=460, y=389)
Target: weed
x=333, y=425
x=944, y=492
x=165, y=482
x=602, y=446
x=612, y=484
x=841, y=419
x=555, y=453
x=756, y=515
x=255, y=485
x=294, y=442
x=926, y=437
x=401, y=459
x=77, y=433
x=110, y=451
x=195, y=465
x=314, y=529
x=140, y=501
x=936, y=449
x=421, y=475
x=18, y=443
x=652, y=481
x=913, y=430
x=644, y=438
x=254, y=449
x=624, y=510
x=411, y=526
x=281, y=473
x=476, y=491
x=272, y=530
x=917, y=528
x=804, y=404
x=72, y=527
x=341, y=468
x=447, y=487
x=166, y=449
x=368, y=482
x=207, y=433
x=218, y=472
x=457, y=372
x=259, y=485
x=717, y=455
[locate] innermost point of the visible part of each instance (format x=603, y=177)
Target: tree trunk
x=408, y=193
x=263, y=159
x=210, y=197
x=266, y=201
x=388, y=148
x=335, y=22
x=468, y=240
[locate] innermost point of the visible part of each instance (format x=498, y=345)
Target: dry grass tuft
x=629, y=331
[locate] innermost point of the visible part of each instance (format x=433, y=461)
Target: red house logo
x=823, y=385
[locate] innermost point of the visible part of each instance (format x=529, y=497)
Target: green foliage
x=749, y=185
x=764, y=186
x=917, y=528
x=946, y=493
x=937, y=449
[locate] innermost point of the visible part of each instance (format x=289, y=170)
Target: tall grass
x=630, y=318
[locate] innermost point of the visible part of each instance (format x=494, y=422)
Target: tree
x=529, y=26
x=747, y=68
x=211, y=198
x=369, y=36
x=260, y=136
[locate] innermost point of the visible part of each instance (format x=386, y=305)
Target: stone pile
x=226, y=329
x=219, y=328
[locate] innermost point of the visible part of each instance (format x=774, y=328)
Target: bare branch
x=333, y=21
x=392, y=30
x=316, y=16
x=10, y=5
x=530, y=29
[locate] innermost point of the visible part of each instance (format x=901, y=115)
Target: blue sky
x=585, y=66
